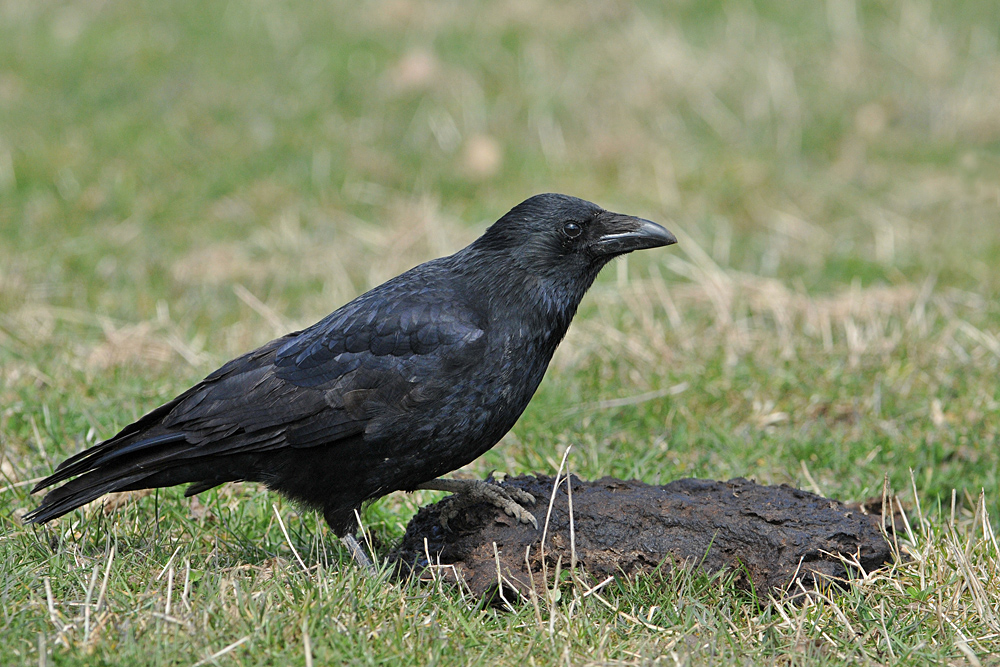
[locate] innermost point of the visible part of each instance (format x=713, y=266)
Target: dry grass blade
x=288, y=539
x=223, y=651
x=552, y=500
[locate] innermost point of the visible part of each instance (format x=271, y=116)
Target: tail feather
x=158, y=461
x=204, y=445
x=79, y=492
x=118, y=465
x=102, y=455
x=135, y=433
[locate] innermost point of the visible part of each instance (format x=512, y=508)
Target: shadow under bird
x=411, y=380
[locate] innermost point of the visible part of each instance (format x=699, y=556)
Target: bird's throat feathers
x=535, y=304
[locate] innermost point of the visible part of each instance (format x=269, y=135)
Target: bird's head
x=561, y=237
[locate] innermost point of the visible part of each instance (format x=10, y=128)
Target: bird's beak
x=626, y=233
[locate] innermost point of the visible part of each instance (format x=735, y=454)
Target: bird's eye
x=572, y=230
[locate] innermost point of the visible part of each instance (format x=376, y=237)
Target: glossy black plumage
x=411, y=380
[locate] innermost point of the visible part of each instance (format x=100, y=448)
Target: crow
x=411, y=380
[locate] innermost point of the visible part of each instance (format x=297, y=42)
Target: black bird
x=411, y=380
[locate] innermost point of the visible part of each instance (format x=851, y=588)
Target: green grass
x=180, y=182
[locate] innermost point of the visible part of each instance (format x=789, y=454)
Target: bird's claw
x=511, y=505
x=472, y=492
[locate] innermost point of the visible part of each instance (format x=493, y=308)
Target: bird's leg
x=472, y=491
x=358, y=553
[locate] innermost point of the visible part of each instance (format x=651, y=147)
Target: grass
x=180, y=182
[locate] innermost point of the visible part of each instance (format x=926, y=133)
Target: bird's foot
x=470, y=492
x=358, y=553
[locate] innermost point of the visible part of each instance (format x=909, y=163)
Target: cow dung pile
x=774, y=538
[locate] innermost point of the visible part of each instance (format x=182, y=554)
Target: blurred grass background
x=181, y=182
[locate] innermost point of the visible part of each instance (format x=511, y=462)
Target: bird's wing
x=357, y=372
x=428, y=325
x=374, y=364
x=364, y=366
x=195, y=423
x=371, y=361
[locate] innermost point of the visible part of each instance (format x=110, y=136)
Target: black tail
x=108, y=467
x=196, y=438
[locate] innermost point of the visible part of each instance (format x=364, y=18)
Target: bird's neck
x=526, y=308
x=536, y=310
